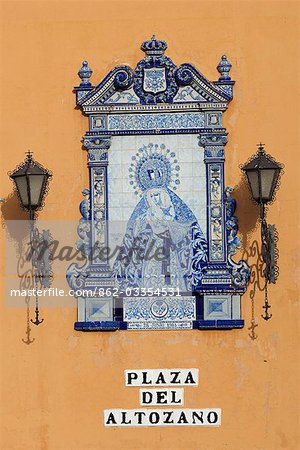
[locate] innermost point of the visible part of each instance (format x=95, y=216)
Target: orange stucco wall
x=53, y=392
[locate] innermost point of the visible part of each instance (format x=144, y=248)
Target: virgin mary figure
x=163, y=246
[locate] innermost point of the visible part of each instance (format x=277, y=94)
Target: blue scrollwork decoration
x=199, y=260
x=233, y=241
x=76, y=274
x=184, y=75
x=123, y=78
x=240, y=270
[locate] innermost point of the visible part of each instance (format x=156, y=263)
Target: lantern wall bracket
x=263, y=174
x=31, y=182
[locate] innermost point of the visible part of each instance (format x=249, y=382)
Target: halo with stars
x=152, y=166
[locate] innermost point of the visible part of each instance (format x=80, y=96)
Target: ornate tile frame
x=159, y=98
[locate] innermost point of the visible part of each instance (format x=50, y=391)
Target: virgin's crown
x=154, y=166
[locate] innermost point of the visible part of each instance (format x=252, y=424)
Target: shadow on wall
x=248, y=222
x=15, y=220
x=247, y=212
x=12, y=210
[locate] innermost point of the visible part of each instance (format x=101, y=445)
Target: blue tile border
x=197, y=325
x=218, y=324
x=100, y=326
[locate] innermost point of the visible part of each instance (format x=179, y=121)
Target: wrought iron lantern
x=31, y=180
x=263, y=174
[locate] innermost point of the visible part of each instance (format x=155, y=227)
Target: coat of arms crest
x=155, y=80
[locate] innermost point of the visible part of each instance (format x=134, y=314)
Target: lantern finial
x=261, y=148
x=29, y=154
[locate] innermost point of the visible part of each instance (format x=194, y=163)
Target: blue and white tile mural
x=158, y=231
x=160, y=219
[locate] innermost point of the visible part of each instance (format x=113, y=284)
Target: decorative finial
x=223, y=68
x=85, y=73
x=154, y=47
x=29, y=154
x=261, y=148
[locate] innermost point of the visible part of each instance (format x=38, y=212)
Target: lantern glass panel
x=253, y=179
x=22, y=187
x=36, y=184
x=267, y=183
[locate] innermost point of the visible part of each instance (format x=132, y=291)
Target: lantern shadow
x=11, y=208
x=16, y=221
x=17, y=225
x=247, y=212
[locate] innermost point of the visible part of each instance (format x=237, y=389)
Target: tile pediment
x=156, y=80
